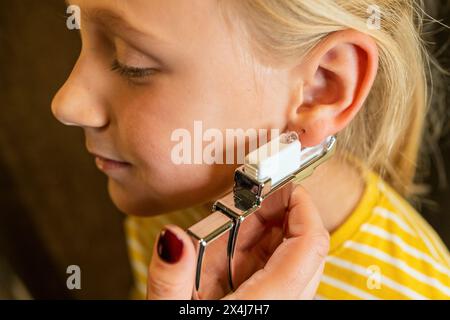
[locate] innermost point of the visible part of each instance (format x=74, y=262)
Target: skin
x=203, y=70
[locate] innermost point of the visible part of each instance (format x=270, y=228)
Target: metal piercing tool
x=266, y=170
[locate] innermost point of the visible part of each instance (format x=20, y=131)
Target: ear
x=333, y=82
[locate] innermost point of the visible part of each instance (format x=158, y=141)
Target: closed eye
x=130, y=72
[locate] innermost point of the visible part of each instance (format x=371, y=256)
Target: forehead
x=167, y=20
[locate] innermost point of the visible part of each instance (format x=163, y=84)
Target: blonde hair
x=387, y=132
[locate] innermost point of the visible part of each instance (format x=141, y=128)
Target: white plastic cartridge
x=275, y=160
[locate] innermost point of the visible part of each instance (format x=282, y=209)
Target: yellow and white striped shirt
x=384, y=250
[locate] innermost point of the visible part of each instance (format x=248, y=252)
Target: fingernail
x=170, y=247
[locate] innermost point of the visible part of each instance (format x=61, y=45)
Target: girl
x=356, y=69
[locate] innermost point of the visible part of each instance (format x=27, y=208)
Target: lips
x=106, y=163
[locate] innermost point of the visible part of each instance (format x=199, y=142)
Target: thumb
x=295, y=268
x=172, y=269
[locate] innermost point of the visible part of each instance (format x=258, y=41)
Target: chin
x=130, y=203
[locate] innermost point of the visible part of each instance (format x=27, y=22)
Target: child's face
x=204, y=72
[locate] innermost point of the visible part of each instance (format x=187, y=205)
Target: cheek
x=147, y=118
x=146, y=131
x=145, y=127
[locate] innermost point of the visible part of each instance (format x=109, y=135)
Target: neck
x=336, y=188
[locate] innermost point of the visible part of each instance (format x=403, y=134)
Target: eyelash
x=131, y=73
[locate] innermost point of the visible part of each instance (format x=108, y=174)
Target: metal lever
x=247, y=197
x=249, y=193
x=204, y=233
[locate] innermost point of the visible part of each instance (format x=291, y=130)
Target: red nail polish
x=170, y=247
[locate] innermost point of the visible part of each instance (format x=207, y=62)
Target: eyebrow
x=110, y=19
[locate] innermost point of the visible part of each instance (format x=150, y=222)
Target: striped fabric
x=384, y=250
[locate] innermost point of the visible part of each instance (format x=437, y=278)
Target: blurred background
x=54, y=207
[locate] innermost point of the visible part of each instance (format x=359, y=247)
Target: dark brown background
x=54, y=209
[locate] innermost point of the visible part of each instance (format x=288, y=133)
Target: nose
x=78, y=102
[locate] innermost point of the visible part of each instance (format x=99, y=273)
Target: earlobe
x=337, y=77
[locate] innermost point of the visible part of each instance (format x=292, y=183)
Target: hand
x=280, y=254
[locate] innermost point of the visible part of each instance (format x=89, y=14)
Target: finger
x=172, y=269
x=309, y=292
x=297, y=260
